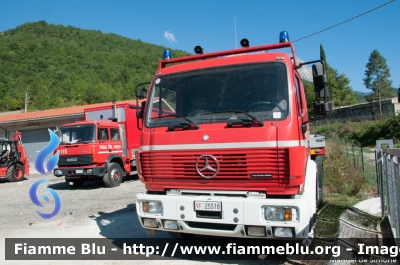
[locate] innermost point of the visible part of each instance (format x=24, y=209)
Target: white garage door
x=34, y=141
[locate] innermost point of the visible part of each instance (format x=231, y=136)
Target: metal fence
x=388, y=178
x=364, y=160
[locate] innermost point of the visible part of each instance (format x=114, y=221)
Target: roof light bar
x=283, y=37
x=284, y=42
x=167, y=55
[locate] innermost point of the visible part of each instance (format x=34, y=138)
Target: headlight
x=171, y=224
x=283, y=232
x=278, y=213
x=57, y=172
x=89, y=171
x=152, y=207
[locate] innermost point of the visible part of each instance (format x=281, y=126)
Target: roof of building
x=53, y=113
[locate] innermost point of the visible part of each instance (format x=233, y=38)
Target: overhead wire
x=369, y=11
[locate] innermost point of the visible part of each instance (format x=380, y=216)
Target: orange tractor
x=14, y=162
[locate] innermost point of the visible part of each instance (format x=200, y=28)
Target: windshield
x=220, y=94
x=78, y=133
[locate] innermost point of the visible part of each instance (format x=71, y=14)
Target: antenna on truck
x=234, y=20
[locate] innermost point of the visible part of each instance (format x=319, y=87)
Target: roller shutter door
x=34, y=141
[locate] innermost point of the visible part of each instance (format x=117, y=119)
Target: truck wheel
x=114, y=176
x=75, y=182
x=181, y=235
x=15, y=173
x=320, y=180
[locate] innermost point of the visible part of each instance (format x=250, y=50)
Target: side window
x=299, y=97
x=114, y=134
x=102, y=134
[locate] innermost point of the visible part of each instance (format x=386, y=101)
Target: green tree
x=341, y=94
x=65, y=66
x=377, y=78
x=345, y=95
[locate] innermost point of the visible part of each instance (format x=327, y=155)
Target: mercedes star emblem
x=209, y=164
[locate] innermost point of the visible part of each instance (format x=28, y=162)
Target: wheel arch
x=115, y=159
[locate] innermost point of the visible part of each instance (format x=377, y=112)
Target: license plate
x=79, y=171
x=208, y=206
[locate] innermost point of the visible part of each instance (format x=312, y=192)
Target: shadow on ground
x=87, y=185
x=5, y=180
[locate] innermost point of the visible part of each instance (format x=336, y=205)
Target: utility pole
x=26, y=102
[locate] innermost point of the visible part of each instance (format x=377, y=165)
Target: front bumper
x=238, y=215
x=79, y=172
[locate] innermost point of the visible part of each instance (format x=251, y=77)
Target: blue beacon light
x=167, y=55
x=283, y=37
x=75, y=119
x=101, y=116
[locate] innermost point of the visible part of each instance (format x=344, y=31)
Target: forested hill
x=61, y=66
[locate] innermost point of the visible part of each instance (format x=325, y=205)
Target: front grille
x=75, y=160
x=271, y=164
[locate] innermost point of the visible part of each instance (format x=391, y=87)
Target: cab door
x=105, y=144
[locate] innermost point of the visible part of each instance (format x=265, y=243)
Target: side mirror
x=141, y=93
x=320, y=81
x=139, y=113
x=321, y=108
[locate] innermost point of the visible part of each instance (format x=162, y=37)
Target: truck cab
x=225, y=146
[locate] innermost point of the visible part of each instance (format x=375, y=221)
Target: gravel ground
x=91, y=211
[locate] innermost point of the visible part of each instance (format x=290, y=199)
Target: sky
x=219, y=25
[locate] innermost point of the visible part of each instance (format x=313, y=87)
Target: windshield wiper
x=252, y=117
x=194, y=124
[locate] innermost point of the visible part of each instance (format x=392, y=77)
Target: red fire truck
x=226, y=147
x=100, y=147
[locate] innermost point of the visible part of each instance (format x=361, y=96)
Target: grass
x=350, y=172
x=347, y=181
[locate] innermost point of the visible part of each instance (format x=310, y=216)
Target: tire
x=114, y=175
x=15, y=173
x=75, y=182
x=320, y=180
x=181, y=235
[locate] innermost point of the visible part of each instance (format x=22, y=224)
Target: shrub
x=340, y=175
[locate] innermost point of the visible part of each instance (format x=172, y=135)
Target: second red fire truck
x=100, y=147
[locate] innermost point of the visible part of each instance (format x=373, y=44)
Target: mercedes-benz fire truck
x=226, y=147
x=102, y=146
